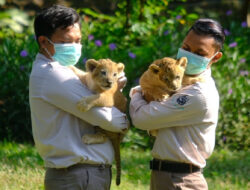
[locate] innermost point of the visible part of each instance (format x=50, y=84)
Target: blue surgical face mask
x=196, y=64
x=66, y=54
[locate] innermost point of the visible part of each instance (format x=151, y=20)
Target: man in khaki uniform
x=186, y=121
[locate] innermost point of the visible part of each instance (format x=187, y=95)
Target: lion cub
x=163, y=78
x=101, y=78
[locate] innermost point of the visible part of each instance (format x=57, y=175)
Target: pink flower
x=178, y=17
x=90, y=37
x=244, y=24
x=230, y=91
x=233, y=44
x=112, y=46
x=132, y=55
x=243, y=60
x=98, y=43
x=244, y=73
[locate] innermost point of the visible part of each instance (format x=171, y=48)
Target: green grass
x=21, y=168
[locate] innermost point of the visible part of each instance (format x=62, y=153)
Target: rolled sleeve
x=64, y=93
x=181, y=109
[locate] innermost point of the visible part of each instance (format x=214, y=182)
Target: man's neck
x=42, y=51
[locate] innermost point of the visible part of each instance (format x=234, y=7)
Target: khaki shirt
x=58, y=125
x=186, y=122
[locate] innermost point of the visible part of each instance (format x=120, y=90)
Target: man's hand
x=134, y=90
x=122, y=81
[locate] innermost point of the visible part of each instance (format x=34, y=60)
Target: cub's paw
x=83, y=105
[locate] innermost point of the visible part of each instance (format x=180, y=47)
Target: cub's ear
x=182, y=62
x=155, y=68
x=120, y=67
x=91, y=64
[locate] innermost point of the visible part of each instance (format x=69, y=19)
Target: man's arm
x=64, y=92
x=182, y=109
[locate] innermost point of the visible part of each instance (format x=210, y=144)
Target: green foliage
x=135, y=35
x=232, y=78
x=14, y=19
x=17, y=55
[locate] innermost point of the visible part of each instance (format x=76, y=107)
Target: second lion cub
x=163, y=78
x=101, y=78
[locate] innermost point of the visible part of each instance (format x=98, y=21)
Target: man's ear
x=182, y=62
x=91, y=64
x=120, y=67
x=215, y=59
x=155, y=68
x=42, y=41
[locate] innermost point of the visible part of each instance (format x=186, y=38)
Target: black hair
x=210, y=27
x=54, y=17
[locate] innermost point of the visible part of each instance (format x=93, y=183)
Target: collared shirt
x=58, y=125
x=186, y=122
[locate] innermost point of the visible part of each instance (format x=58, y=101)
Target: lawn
x=21, y=168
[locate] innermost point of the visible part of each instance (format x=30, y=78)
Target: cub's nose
x=109, y=83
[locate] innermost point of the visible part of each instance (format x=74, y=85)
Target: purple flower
x=230, y=91
x=224, y=139
x=23, y=53
x=90, y=37
x=243, y=60
x=178, y=17
x=136, y=81
x=21, y=67
x=132, y=55
x=84, y=60
x=233, y=44
x=112, y=46
x=244, y=24
x=229, y=12
x=166, y=33
x=98, y=43
x=227, y=33
x=244, y=73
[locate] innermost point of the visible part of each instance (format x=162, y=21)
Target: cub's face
x=104, y=72
x=170, y=71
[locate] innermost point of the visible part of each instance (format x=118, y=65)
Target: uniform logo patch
x=182, y=100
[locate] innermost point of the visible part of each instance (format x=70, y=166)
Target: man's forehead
x=199, y=39
x=203, y=43
x=73, y=30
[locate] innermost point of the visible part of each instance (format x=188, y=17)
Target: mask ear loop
x=47, y=49
x=209, y=65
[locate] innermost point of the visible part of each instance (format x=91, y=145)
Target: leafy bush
x=17, y=55
x=135, y=39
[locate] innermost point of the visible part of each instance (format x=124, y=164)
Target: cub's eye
x=115, y=74
x=103, y=73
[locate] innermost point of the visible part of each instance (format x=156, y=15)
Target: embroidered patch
x=182, y=100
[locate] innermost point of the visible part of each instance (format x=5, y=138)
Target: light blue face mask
x=66, y=54
x=196, y=64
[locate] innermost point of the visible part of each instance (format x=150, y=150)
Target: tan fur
x=101, y=78
x=163, y=78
